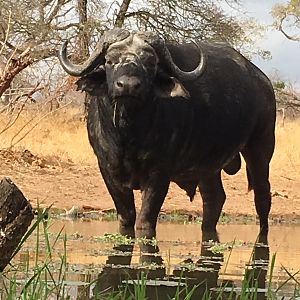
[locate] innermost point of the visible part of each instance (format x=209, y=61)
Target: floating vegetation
x=119, y=239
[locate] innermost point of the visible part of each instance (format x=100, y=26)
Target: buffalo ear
x=92, y=82
x=170, y=87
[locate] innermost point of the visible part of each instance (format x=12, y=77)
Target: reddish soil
x=65, y=184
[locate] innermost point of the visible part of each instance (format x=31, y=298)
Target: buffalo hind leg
x=153, y=195
x=213, y=197
x=257, y=154
x=124, y=202
x=258, y=177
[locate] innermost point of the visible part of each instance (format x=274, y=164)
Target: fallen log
x=15, y=217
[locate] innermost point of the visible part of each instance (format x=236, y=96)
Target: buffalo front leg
x=213, y=197
x=124, y=202
x=153, y=195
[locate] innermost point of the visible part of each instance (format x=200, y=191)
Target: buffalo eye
x=149, y=60
x=109, y=63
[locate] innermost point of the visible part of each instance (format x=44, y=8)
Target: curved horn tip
x=64, y=46
x=62, y=49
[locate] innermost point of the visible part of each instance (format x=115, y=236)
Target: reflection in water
x=199, y=277
x=118, y=269
x=181, y=257
x=255, y=277
x=203, y=274
x=256, y=271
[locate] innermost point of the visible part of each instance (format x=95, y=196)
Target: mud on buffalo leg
x=213, y=197
x=124, y=203
x=154, y=193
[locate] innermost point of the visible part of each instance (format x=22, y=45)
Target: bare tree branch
x=122, y=13
x=290, y=37
x=287, y=15
x=12, y=121
x=13, y=143
x=56, y=9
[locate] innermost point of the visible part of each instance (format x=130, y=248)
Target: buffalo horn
x=96, y=58
x=165, y=56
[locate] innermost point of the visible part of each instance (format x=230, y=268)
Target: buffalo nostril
x=129, y=85
x=137, y=86
x=120, y=84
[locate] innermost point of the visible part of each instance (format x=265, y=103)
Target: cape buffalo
x=162, y=111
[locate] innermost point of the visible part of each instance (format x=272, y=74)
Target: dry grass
x=60, y=134
x=286, y=159
x=63, y=134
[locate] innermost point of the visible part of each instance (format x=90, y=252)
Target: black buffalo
x=152, y=121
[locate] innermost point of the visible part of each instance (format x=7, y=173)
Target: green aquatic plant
x=220, y=248
x=110, y=216
x=179, y=217
x=119, y=239
x=146, y=241
x=115, y=238
x=224, y=218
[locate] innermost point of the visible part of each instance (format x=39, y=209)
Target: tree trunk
x=122, y=13
x=83, y=34
x=84, y=40
x=15, y=217
x=14, y=67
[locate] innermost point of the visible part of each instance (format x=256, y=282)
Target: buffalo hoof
x=263, y=238
x=210, y=235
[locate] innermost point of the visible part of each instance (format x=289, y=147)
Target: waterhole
x=98, y=261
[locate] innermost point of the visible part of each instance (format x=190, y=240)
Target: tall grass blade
x=30, y=231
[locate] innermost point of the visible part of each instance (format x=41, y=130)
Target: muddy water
x=178, y=244
x=185, y=239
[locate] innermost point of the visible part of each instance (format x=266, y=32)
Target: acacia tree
x=181, y=20
x=287, y=19
x=32, y=30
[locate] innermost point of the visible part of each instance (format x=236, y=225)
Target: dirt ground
x=66, y=184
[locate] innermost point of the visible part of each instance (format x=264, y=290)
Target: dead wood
x=15, y=217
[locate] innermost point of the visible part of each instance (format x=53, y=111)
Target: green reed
x=43, y=279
